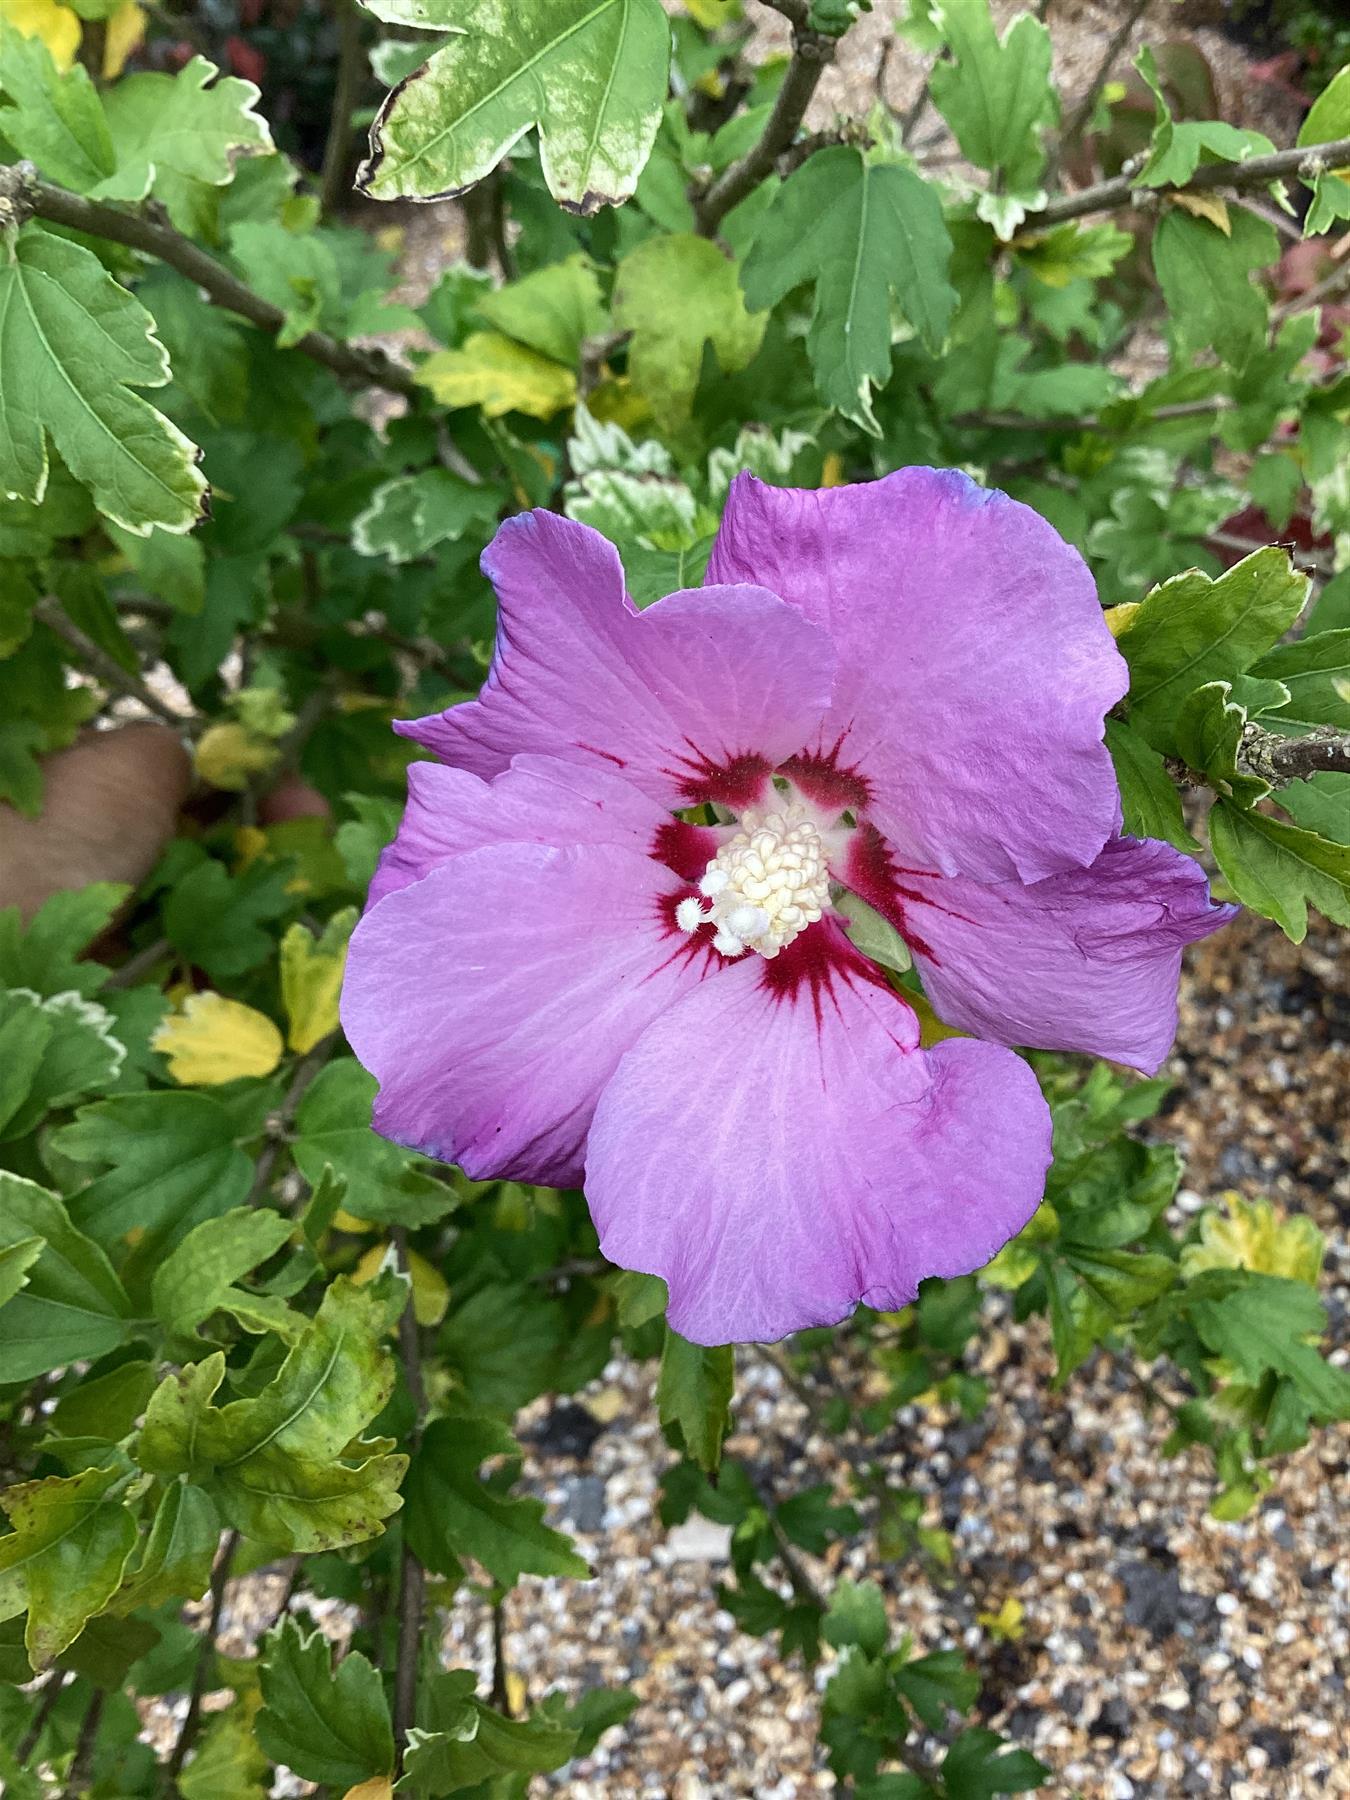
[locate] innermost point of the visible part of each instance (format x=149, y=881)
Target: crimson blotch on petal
x=604, y=947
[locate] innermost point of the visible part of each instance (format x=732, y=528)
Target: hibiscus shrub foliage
x=247, y=481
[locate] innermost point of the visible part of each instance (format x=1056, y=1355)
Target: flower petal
x=778, y=1148
x=1087, y=960
x=975, y=668
x=493, y=999
x=538, y=800
x=695, y=698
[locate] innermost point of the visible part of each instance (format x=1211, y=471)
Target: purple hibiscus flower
x=896, y=688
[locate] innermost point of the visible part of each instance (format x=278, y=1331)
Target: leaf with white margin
x=76, y=345
x=590, y=74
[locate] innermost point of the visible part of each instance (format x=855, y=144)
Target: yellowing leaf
x=712, y=13
x=1206, y=206
x=345, y=1221
x=126, y=31
x=931, y=1028
x=1006, y=1625
x=1257, y=1236
x=832, y=470
x=213, y=1039
x=57, y=26
x=229, y=755
x=379, y=1787
x=430, y=1293
x=1119, y=618
x=311, y=979
x=501, y=376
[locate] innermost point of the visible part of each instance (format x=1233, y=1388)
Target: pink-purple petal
x=538, y=800
x=493, y=998
x=695, y=698
x=777, y=1148
x=975, y=668
x=1087, y=960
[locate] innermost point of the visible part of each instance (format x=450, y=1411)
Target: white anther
x=766, y=885
x=689, y=914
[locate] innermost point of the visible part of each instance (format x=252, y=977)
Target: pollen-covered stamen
x=764, y=886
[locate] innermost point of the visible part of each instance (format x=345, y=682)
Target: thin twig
x=139, y=965
x=412, y=1584
x=1010, y=421
x=501, y=1687
x=1326, y=289
x=82, y=1764
x=108, y=670
x=50, y=1694
x=305, y=1071
x=1305, y=164
x=337, y=149
x=812, y=51
x=1082, y=112
x=24, y=195
x=220, y=1577
x=1280, y=760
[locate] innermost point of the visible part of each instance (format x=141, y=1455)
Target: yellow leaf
x=212, y=1039
x=345, y=1221
x=832, y=470
x=1120, y=618
x=57, y=26
x=1257, y=1236
x=311, y=979
x=712, y=13
x=1007, y=1623
x=430, y=1293
x=1206, y=206
x=501, y=376
x=126, y=31
x=379, y=1787
x=517, y=1694
x=229, y=756
x=931, y=1029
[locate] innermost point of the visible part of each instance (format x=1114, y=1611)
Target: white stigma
x=764, y=886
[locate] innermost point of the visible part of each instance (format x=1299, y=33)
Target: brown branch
x=81, y=1767
x=25, y=195
x=337, y=149
x=1304, y=163
x=1280, y=760
x=50, y=1694
x=187, y=1732
x=108, y=670
x=812, y=51
x=305, y=1071
x=1010, y=421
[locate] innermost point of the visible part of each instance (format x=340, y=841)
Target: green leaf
x=1206, y=278
x=179, y=1551
x=1148, y=796
x=676, y=294
x=694, y=1392
x=227, y=1764
x=1261, y=1323
x=858, y=231
x=1122, y=1280
x=325, y=1724
x=191, y=124
x=411, y=514
x=171, y=1161
x=1279, y=870
x=937, y=1685
x=215, y=919
x=64, y=1559
x=980, y=1763
x=996, y=96
x=874, y=936
x=1316, y=670
x=54, y=120
x=1192, y=630
x=48, y=956
x=1328, y=119
x=195, y=1277
x=1209, y=727
x=1320, y=804
x=62, y=1047
x=857, y=1615
x=589, y=74
x=16, y=1260
x=1072, y=252
x=451, y=1512
x=459, y=1742
x=553, y=311
x=332, y=1131
x=1177, y=146
x=72, y=1307
x=76, y=345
